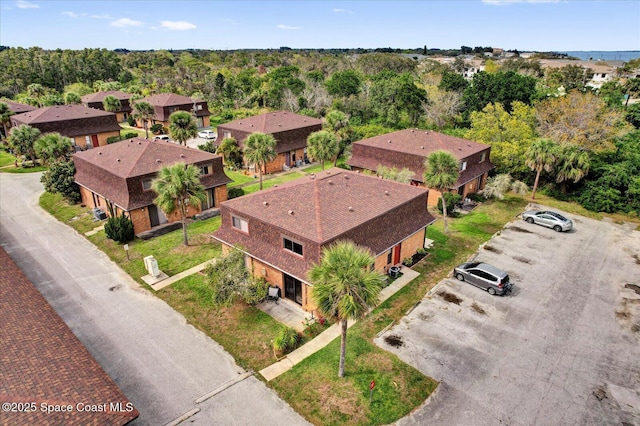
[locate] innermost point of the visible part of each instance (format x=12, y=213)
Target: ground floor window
x=292, y=288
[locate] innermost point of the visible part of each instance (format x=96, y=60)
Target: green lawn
x=317, y=168
x=6, y=159
x=268, y=182
x=239, y=178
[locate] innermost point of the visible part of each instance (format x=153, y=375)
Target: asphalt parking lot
x=562, y=348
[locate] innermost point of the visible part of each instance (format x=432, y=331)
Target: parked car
x=207, y=134
x=485, y=276
x=161, y=138
x=549, y=219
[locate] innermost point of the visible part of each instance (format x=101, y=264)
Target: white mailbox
x=151, y=264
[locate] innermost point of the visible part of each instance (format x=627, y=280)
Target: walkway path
x=327, y=336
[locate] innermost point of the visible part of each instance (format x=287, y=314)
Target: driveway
x=162, y=364
x=563, y=348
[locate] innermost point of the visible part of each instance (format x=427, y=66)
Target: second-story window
x=463, y=166
x=483, y=157
x=292, y=246
x=240, y=224
x=226, y=135
x=204, y=170
x=146, y=184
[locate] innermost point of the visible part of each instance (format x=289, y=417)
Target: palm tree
x=53, y=147
x=111, y=103
x=540, y=156
x=144, y=112
x=179, y=187
x=338, y=122
x=259, y=149
x=22, y=140
x=573, y=163
x=5, y=114
x=322, y=146
x=182, y=126
x=72, y=98
x=344, y=287
x=441, y=173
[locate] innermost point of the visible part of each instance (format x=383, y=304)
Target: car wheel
x=460, y=277
x=557, y=228
x=529, y=219
x=492, y=291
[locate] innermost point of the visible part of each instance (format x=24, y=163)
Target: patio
x=286, y=312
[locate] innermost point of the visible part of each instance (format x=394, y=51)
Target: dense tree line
x=511, y=105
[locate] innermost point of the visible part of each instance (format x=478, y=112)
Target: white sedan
x=207, y=134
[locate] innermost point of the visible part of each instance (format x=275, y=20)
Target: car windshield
x=472, y=265
x=559, y=216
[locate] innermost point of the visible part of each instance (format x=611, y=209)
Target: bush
x=286, y=340
x=131, y=121
x=235, y=192
x=407, y=261
x=451, y=199
x=119, y=229
x=208, y=146
x=113, y=139
x=421, y=251
x=129, y=135
x=59, y=179
x=156, y=129
x=255, y=290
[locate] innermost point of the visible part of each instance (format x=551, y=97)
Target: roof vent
x=181, y=155
x=426, y=132
x=139, y=143
x=265, y=203
x=346, y=176
x=117, y=160
x=312, y=176
x=330, y=182
x=158, y=161
x=421, y=146
x=279, y=125
x=251, y=125
x=468, y=144
x=386, y=192
x=350, y=208
x=412, y=130
x=100, y=153
x=290, y=212
x=389, y=141
x=459, y=149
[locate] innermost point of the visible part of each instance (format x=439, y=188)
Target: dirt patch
x=115, y=287
x=394, y=340
x=522, y=259
x=633, y=287
x=637, y=258
x=449, y=297
x=600, y=393
x=518, y=229
x=492, y=248
x=478, y=308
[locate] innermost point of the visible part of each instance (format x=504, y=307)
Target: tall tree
x=111, y=103
x=322, y=146
x=53, y=147
x=344, y=287
x=503, y=87
x=5, y=115
x=22, y=140
x=441, y=173
x=344, y=83
x=259, y=149
x=541, y=155
x=572, y=165
x=72, y=98
x=581, y=119
x=144, y=112
x=337, y=122
x=178, y=187
x=182, y=126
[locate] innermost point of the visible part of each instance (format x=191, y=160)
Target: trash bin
x=394, y=271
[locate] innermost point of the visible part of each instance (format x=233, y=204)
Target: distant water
x=622, y=55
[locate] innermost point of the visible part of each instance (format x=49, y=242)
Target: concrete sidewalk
x=327, y=336
x=194, y=270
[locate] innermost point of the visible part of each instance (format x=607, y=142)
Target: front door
x=156, y=216
x=94, y=141
x=287, y=159
x=292, y=289
x=396, y=254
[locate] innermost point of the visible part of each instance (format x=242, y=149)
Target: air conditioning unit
x=99, y=214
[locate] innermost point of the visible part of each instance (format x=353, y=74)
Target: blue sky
x=542, y=25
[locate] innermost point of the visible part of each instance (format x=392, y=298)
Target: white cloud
x=73, y=14
x=105, y=16
x=507, y=2
x=24, y=4
x=287, y=27
x=126, y=22
x=177, y=25
x=336, y=10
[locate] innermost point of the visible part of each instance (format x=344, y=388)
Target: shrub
x=421, y=251
x=59, y=179
x=451, y=199
x=113, y=139
x=285, y=341
x=156, y=129
x=255, y=290
x=129, y=135
x=407, y=261
x=235, y=192
x=131, y=121
x=119, y=229
x=208, y=146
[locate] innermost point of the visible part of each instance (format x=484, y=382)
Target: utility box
x=151, y=264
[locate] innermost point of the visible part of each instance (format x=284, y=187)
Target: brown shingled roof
x=43, y=362
x=409, y=148
x=168, y=99
x=17, y=107
x=69, y=120
x=329, y=206
x=99, y=96
x=106, y=169
x=272, y=122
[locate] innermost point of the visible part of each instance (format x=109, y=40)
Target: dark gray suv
x=485, y=276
